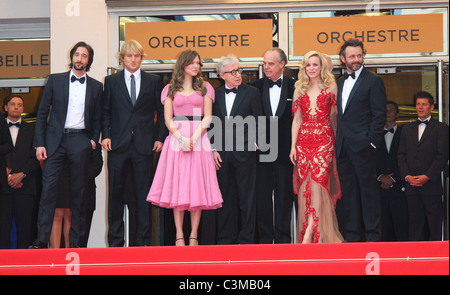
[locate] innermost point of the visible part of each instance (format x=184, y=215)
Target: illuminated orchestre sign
x=212, y=39
x=421, y=33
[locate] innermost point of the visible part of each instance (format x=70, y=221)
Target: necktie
x=389, y=130
x=74, y=78
x=17, y=124
x=346, y=75
x=277, y=82
x=424, y=122
x=133, y=89
x=234, y=90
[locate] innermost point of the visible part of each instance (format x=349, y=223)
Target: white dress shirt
x=347, y=88
x=229, y=100
x=422, y=127
x=388, y=137
x=14, y=130
x=75, y=109
x=137, y=80
x=274, y=94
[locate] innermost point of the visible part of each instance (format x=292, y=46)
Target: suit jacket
x=22, y=158
x=246, y=108
x=283, y=112
x=365, y=113
x=387, y=160
x=121, y=120
x=51, y=116
x=427, y=156
x=5, y=145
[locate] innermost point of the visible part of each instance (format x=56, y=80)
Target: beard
x=354, y=66
x=79, y=66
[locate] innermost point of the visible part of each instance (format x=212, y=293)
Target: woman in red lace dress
x=315, y=177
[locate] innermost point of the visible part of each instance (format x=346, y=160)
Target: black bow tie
x=234, y=90
x=277, y=82
x=17, y=124
x=424, y=122
x=389, y=130
x=74, y=78
x=346, y=75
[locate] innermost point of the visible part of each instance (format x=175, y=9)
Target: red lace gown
x=315, y=176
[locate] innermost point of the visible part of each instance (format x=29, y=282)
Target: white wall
x=83, y=20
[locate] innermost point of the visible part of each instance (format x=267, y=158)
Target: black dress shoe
x=38, y=245
x=73, y=245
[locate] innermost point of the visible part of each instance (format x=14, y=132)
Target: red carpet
x=406, y=258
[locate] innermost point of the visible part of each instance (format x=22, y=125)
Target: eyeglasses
x=234, y=72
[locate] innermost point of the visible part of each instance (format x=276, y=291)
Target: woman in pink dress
x=312, y=151
x=185, y=177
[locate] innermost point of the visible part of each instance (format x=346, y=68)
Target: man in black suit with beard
x=274, y=169
x=18, y=180
x=67, y=128
x=237, y=107
x=394, y=210
x=132, y=97
x=422, y=156
x=361, y=104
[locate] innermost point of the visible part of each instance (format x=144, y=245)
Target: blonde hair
x=131, y=46
x=303, y=82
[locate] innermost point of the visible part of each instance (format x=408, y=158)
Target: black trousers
x=425, y=217
x=273, y=218
x=141, y=168
x=360, y=194
x=394, y=215
x=236, y=219
x=20, y=207
x=75, y=149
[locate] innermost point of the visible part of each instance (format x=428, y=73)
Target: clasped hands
x=418, y=180
x=15, y=180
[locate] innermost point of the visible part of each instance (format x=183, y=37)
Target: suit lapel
x=240, y=96
x=283, y=99
x=266, y=98
x=123, y=86
x=426, y=132
x=396, y=139
x=87, y=97
x=384, y=146
x=22, y=132
x=220, y=99
x=144, y=82
x=66, y=91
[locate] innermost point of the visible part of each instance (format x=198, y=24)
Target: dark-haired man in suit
x=18, y=180
x=132, y=98
x=422, y=156
x=237, y=106
x=394, y=210
x=361, y=104
x=68, y=127
x=274, y=169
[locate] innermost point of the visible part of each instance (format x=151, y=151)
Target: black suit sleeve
x=378, y=110
x=106, y=109
x=401, y=155
x=97, y=112
x=32, y=164
x=42, y=114
x=441, y=156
